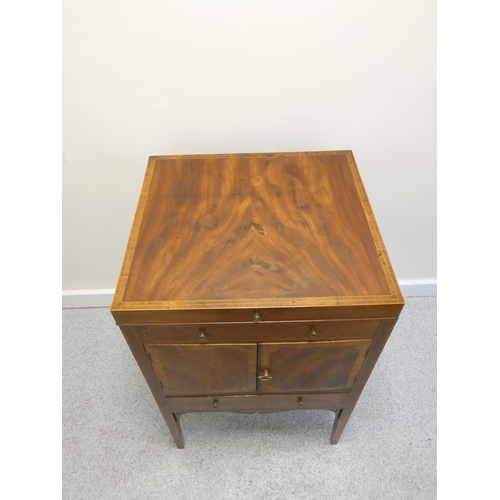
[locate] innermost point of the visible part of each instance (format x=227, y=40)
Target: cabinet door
x=188, y=369
x=310, y=366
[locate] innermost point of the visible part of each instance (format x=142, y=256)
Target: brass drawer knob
x=265, y=375
x=216, y=403
x=202, y=335
x=256, y=317
x=299, y=400
x=314, y=333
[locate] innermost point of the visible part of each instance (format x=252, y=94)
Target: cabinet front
x=310, y=366
x=188, y=369
x=286, y=367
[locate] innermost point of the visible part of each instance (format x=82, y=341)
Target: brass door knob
x=256, y=317
x=216, y=403
x=299, y=400
x=265, y=375
x=314, y=333
x=202, y=335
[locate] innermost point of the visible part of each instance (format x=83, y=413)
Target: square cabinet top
x=253, y=231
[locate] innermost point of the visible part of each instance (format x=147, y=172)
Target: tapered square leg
x=338, y=426
x=174, y=427
x=171, y=419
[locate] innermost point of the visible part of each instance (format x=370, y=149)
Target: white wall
x=162, y=77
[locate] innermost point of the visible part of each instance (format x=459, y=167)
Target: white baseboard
x=418, y=288
x=74, y=299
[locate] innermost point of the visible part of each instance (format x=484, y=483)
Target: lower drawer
x=258, y=402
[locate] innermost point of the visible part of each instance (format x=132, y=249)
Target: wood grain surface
x=259, y=332
x=314, y=366
x=204, y=368
x=277, y=259
x=284, y=229
x=259, y=403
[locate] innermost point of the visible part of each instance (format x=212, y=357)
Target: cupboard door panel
x=310, y=366
x=188, y=369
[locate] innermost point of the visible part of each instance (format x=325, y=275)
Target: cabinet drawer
x=258, y=403
x=260, y=332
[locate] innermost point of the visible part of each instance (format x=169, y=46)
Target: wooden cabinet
x=255, y=283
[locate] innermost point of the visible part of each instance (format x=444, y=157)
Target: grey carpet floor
x=117, y=446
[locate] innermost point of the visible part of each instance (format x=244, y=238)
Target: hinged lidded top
x=248, y=233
